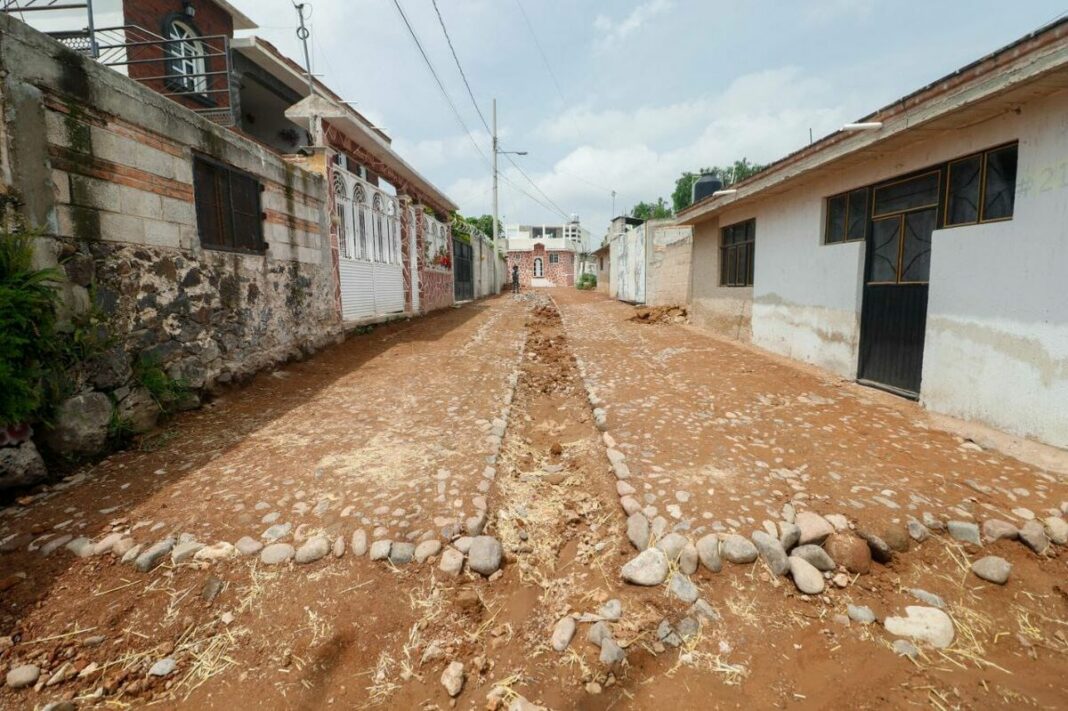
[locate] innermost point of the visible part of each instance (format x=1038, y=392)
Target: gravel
x=648, y=568
x=992, y=569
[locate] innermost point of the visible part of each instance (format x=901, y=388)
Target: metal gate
x=463, y=271
x=894, y=312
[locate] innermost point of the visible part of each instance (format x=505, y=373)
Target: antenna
x=302, y=35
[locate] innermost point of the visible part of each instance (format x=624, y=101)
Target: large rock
x=672, y=545
x=485, y=555
x=650, y=567
x=814, y=528
x=708, y=552
x=807, y=579
x=638, y=531
x=849, y=552
x=21, y=466
x=928, y=624
x=771, y=551
x=815, y=556
x=1034, y=537
x=992, y=569
x=81, y=425
x=738, y=549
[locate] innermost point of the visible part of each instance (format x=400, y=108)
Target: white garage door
x=368, y=225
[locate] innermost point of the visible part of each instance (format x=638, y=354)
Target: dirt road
x=557, y=426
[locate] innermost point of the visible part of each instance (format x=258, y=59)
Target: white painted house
x=924, y=251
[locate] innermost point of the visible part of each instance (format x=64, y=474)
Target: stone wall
x=436, y=289
x=102, y=167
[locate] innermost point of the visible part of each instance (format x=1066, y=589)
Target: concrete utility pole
x=302, y=35
x=496, y=280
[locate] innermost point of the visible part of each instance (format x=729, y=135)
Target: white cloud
x=615, y=32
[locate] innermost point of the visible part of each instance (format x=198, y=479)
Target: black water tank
x=705, y=186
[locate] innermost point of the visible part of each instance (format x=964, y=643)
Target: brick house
x=547, y=255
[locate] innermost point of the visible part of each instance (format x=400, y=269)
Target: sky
x=629, y=93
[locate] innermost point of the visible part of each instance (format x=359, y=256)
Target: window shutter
x=245, y=201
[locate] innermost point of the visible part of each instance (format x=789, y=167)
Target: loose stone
x=918, y=531
x=708, y=553
x=861, y=614
x=339, y=547
x=993, y=569
x=814, y=528
x=276, y=554
x=163, y=667
x=964, y=531
x=688, y=559
x=672, y=545
x=152, y=557
x=638, y=531
x=771, y=551
x=184, y=551
x=452, y=562
x=426, y=549
x=214, y=552
x=313, y=550
x=927, y=624
x=380, y=550
x=611, y=653
x=815, y=556
x=248, y=546
x=1057, y=528
x=485, y=555
x=562, y=633
x=880, y=551
x=648, y=568
x=739, y=550
x=1034, y=537
x=849, y=552
x=683, y=588
x=789, y=535
x=22, y=676
x=611, y=610
x=401, y=553
x=359, y=543
x=929, y=597
x=453, y=679
x=807, y=579
x=905, y=648
x=598, y=632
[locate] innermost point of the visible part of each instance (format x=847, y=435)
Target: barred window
x=554, y=258
x=736, y=254
x=228, y=207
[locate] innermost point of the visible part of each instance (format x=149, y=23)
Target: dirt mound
x=659, y=314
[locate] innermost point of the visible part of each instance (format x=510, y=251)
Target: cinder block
x=91, y=192
x=62, y=182
x=141, y=203
x=124, y=151
x=122, y=228
x=162, y=234
x=179, y=211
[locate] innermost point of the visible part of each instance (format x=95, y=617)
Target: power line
x=452, y=49
x=541, y=51
x=437, y=79
x=456, y=58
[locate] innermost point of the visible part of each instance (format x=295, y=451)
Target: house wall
x=562, y=273
x=436, y=289
x=630, y=263
x=603, y=261
x=103, y=166
x=996, y=347
x=724, y=310
x=487, y=280
x=668, y=276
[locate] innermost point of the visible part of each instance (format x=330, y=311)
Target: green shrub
x=587, y=281
x=30, y=348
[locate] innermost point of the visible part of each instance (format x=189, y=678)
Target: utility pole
x=495, y=150
x=613, y=204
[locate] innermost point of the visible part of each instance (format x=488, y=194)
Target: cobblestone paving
x=390, y=432
x=719, y=437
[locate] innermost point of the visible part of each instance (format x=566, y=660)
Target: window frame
x=847, y=196
x=728, y=254
x=230, y=171
x=191, y=86
x=554, y=257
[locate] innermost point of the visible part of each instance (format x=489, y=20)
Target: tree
x=651, y=211
x=484, y=224
x=738, y=171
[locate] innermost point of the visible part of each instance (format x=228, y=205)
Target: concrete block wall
x=668, y=274
x=102, y=166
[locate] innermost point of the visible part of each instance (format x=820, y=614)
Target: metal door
x=894, y=310
x=463, y=272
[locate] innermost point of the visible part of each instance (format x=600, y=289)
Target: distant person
x=515, y=278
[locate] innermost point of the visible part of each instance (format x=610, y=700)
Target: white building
x=924, y=252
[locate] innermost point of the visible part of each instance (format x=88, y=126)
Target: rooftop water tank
x=705, y=186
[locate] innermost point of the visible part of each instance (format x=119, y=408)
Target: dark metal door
x=894, y=311
x=463, y=271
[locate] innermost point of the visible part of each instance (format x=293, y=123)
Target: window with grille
x=554, y=258
x=736, y=254
x=186, y=64
x=847, y=217
x=228, y=207
x=982, y=187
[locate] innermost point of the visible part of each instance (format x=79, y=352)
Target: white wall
x=997, y=327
